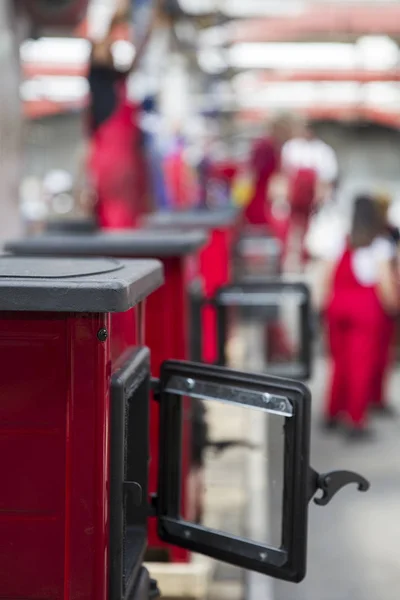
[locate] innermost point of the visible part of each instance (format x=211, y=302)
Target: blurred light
x=57, y=181
x=62, y=204
x=293, y=56
x=34, y=210
x=243, y=8
x=186, y=31
x=198, y=7
x=378, y=52
x=382, y=94
x=123, y=54
x=54, y=88
x=214, y=36
x=30, y=189
x=211, y=61
x=257, y=8
x=99, y=16
x=55, y=51
x=300, y=95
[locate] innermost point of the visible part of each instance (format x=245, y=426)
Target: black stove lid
x=129, y=243
x=76, y=284
x=207, y=219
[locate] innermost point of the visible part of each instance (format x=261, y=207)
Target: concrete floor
x=354, y=550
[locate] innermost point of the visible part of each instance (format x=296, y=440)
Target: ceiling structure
x=329, y=59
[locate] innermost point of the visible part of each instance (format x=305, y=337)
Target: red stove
x=74, y=430
x=216, y=258
x=165, y=324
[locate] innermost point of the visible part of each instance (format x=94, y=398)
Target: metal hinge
x=135, y=492
x=152, y=507
x=154, y=591
x=155, y=388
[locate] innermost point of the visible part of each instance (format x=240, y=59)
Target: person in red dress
x=264, y=164
x=116, y=165
x=265, y=168
x=361, y=294
x=312, y=169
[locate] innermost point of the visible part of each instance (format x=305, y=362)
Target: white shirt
x=365, y=261
x=315, y=154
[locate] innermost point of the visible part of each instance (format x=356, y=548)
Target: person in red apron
x=361, y=291
x=265, y=165
x=311, y=167
x=115, y=163
x=265, y=161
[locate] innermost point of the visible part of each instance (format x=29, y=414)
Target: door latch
x=331, y=483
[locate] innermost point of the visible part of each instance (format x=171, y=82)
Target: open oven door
x=281, y=409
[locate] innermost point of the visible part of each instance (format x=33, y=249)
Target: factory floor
x=353, y=544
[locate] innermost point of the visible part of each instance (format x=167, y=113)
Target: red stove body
x=75, y=447
x=164, y=324
x=55, y=420
x=216, y=258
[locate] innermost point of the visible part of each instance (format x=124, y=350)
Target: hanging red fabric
x=113, y=169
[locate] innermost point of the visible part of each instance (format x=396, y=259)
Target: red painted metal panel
x=54, y=415
x=215, y=266
x=167, y=318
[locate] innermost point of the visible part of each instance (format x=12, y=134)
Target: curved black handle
x=331, y=483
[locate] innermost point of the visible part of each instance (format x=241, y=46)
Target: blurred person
x=360, y=293
x=155, y=152
x=265, y=172
x=180, y=178
x=384, y=201
x=379, y=402
x=115, y=162
x=205, y=172
x=264, y=163
x=312, y=170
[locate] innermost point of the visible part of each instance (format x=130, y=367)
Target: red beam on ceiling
x=30, y=70
x=319, y=20
x=340, y=114
x=358, y=76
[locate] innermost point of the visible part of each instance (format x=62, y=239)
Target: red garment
x=225, y=172
x=298, y=225
x=264, y=162
x=354, y=316
x=302, y=190
x=180, y=183
x=114, y=169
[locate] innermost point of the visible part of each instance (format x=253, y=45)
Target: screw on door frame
x=102, y=335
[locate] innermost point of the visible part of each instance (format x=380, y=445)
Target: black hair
x=367, y=221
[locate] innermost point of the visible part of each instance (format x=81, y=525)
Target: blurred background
x=212, y=77
x=218, y=69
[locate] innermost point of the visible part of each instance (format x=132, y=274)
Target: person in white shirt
x=311, y=168
x=306, y=151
